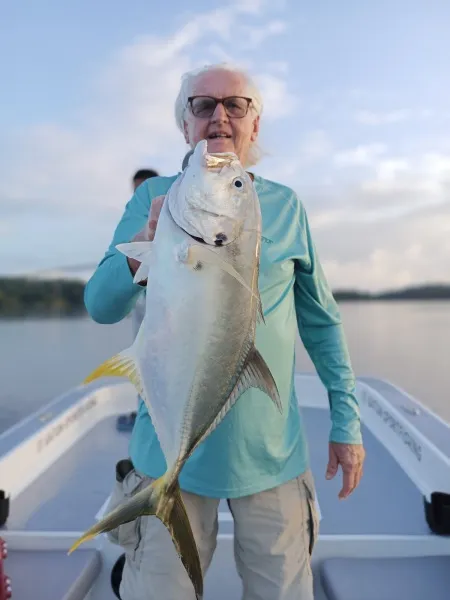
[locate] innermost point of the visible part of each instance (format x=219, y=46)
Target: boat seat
x=52, y=574
x=416, y=578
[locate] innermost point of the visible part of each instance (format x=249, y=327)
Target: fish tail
x=169, y=507
x=119, y=365
x=179, y=527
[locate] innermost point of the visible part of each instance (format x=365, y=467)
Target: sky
x=356, y=120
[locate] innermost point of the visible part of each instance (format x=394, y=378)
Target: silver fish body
x=197, y=335
x=194, y=354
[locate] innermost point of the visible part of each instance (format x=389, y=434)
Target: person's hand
x=351, y=458
x=147, y=234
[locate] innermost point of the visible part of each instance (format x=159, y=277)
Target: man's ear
x=255, y=129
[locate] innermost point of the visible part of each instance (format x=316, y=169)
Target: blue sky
x=356, y=120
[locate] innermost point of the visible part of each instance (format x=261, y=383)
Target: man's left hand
x=351, y=458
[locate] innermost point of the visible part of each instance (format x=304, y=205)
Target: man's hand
x=351, y=458
x=147, y=234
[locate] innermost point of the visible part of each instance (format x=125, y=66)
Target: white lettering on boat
x=396, y=426
x=79, y=411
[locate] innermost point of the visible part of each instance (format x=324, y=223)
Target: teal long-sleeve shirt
x=254, y=447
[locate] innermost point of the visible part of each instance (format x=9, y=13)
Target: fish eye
x=238, y=183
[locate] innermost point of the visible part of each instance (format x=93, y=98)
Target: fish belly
x=195, y=339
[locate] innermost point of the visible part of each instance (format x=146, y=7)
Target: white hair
x=186, y=88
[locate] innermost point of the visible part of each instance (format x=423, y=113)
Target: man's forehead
x=220, y=83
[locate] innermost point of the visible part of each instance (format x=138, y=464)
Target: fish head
x=213, y=197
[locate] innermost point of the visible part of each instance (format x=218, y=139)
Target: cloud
x=255, y=36
x=252, y=6
x=370, y=183
x=313, y=148
x=410, y=183
x=129, y=121
x=278, y=66
x=379, y=219
x=363, y=155
x=369, y=117
x=401, y=252
x=378, y=206
x=278, y=101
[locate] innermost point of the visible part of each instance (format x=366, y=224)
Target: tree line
x=25, y=297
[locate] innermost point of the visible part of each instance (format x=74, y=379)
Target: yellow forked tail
x=170, y=509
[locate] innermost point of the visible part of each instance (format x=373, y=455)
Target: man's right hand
x=147, y=234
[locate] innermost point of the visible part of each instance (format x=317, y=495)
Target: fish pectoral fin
x=140, y=251
x=257, y=374
x=141, y=273
x=195, y=254
x=119, y=365
x=154, y=500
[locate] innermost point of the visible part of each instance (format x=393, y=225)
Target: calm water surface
x=404, y=342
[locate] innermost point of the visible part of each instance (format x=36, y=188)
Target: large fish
x=194, y=354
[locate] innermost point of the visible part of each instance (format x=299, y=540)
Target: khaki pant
x=274, y=531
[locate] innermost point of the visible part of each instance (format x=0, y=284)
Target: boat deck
x=67, y=497
x=73, y=491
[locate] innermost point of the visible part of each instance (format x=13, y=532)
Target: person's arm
x=322, y=333
x=110, y=293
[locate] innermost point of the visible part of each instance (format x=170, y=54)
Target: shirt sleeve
x=322, y=333
x=110, y=294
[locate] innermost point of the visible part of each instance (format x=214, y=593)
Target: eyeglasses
x=236, y=107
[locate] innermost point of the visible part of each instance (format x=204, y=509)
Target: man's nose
x=219, y=114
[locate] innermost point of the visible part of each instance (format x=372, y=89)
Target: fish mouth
x=219, y=241
x=197, y=239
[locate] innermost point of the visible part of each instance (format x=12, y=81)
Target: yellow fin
x=168, y=507
x=137, y=505
x=119, y=365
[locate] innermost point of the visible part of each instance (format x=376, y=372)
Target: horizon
x=61, y=278
x=356, y=121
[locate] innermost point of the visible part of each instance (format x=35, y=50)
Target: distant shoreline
x=22, y=297
x=418, y=292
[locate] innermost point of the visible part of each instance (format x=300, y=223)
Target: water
x=41, y=359
x=404, y=342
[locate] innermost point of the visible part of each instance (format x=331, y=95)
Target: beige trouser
x=274, y=531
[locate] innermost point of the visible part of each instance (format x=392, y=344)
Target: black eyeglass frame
x=220, y=101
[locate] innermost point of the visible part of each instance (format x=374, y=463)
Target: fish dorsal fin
x=257, y=374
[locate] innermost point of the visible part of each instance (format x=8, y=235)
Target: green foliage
x=20, y=297
x=420, y=292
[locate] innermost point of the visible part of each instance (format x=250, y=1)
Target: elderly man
x=259, y=466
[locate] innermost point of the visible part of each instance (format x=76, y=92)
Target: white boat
x=389, y=541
